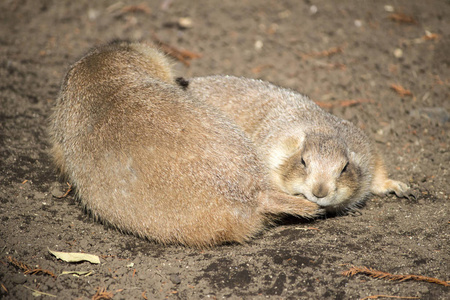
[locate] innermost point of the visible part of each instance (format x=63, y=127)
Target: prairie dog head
x=318, y=166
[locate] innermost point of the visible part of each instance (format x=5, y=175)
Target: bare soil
x=331, y=50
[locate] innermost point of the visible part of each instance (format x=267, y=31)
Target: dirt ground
x=333, y=51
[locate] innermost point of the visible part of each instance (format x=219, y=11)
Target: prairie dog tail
x=278, y=203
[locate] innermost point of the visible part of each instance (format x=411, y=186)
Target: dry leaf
x=75, y=257
x=77, y=273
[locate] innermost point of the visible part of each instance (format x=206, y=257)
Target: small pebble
x=18, y=279
x=93, y=14
x=175, y=279
x=56, y=191
x=358, y=23
x=389, y=8
x=258, y=45
x=185, y=22
x=398, y=53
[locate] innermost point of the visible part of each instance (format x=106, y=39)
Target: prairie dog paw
x=314, y=210
x=401, y=190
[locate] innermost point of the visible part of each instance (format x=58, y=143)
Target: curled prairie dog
x=149, y=159
x=308, y=151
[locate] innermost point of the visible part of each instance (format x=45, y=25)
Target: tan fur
x=307, y=150
x=151, y=160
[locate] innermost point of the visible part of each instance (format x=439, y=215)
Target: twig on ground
x=144, y=296
x=182, y=55
x=402, y=18
x=401, y=90
x=387, y=296
x=102, y=294
x=37, y=293
x=430, y=36
x=136, y=8
x=18, y=264
x=329, y=52
x=258, y=69
x=384, y=275
x=439, y=81
x=27, y=270
x=67, y=192
x=334, y=66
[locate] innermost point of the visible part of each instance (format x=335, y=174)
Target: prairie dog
x=149, y=159
x=308, y=151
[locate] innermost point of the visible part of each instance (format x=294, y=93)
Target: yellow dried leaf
x=75, y=257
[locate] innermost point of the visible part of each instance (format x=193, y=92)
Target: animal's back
x=248, y=101
x=266, y=111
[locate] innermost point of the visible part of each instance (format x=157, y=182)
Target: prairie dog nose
x=320, y=190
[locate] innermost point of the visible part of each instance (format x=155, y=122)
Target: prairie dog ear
x=353, y=156
x=287, y=147
x=292, y=144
